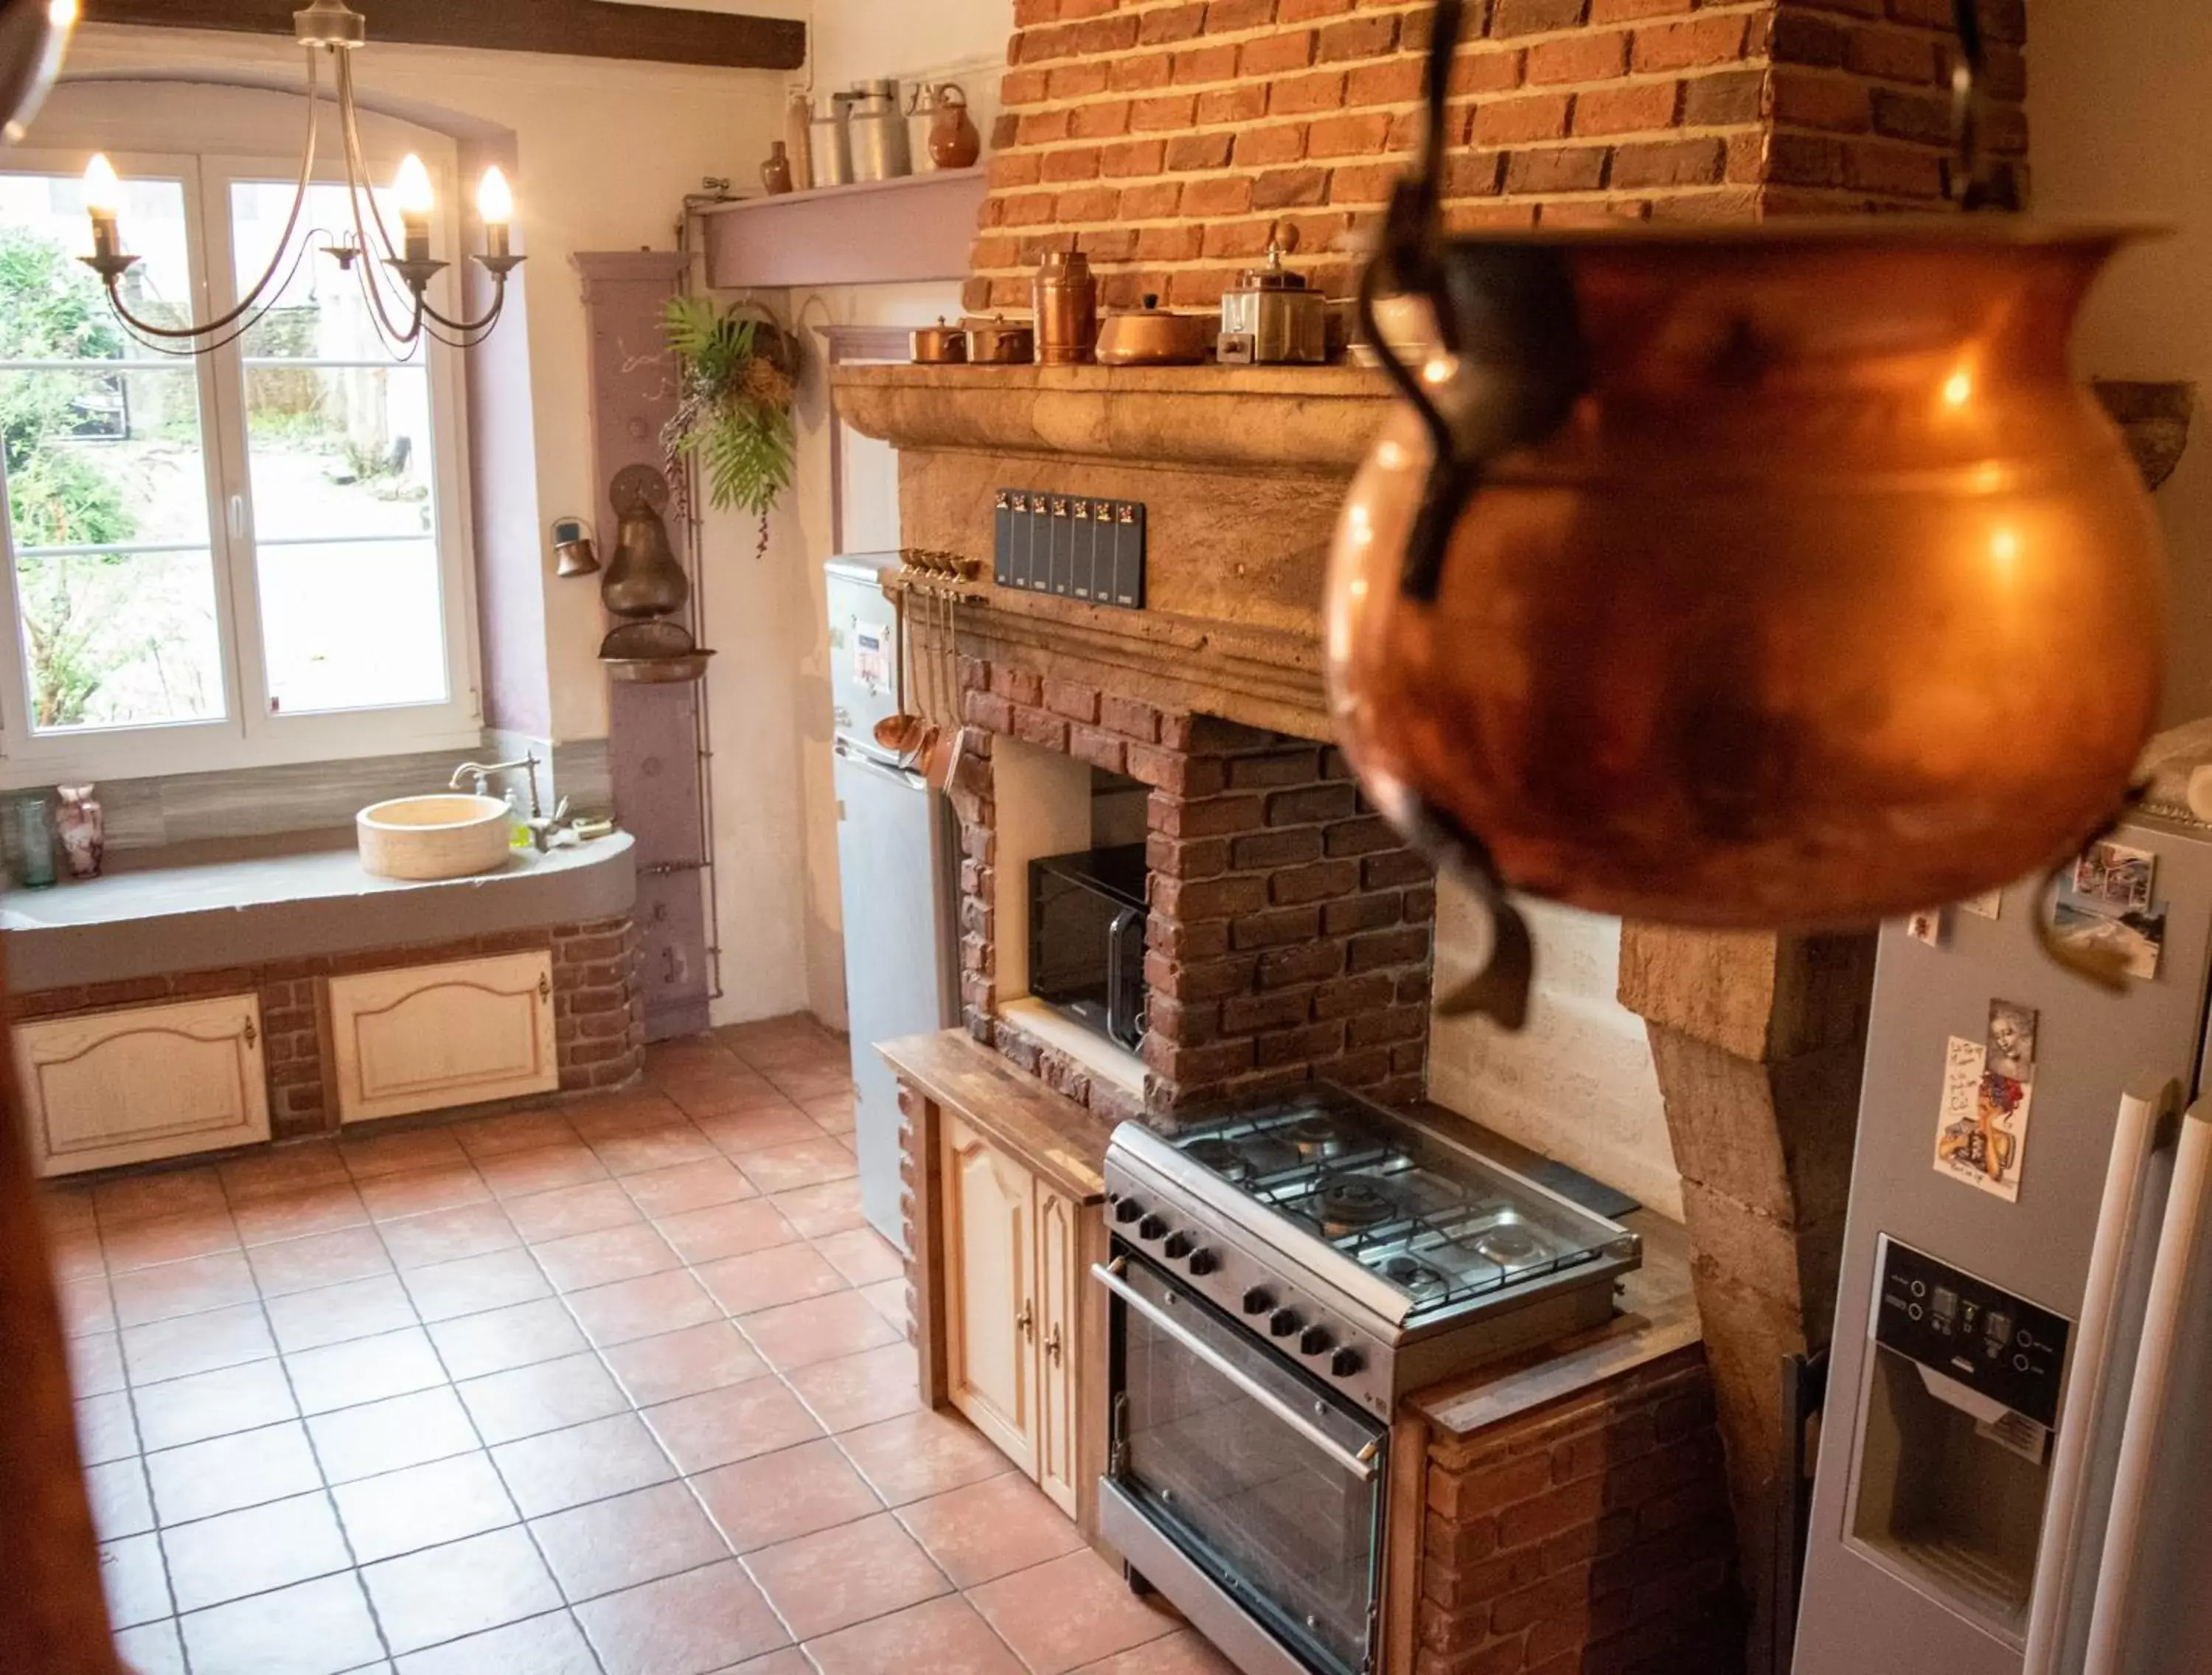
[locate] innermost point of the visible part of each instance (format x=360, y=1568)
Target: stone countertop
x=1049, y=1133
x=245, y=904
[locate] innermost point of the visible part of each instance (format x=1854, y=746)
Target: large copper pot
x=1770, y=576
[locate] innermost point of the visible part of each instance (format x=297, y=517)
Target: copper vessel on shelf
x=1065, y=296
x=1154, y=337
x=1751, y=578
x=999, y=341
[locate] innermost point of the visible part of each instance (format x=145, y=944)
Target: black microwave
x=1087, y=939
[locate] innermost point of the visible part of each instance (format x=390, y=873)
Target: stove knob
x=1151, y=1227
x=1259, y=1300
x=1315, y=1340
x=1203, y=1262
x=1177, y=1247
x=1128, y=1211
x=1346, y=1362
x=1284, y=1321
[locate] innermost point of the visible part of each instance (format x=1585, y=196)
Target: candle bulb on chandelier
x=412, y=192
x=496, y=204
x=103, y=198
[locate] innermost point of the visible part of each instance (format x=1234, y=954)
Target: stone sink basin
x=446, y=836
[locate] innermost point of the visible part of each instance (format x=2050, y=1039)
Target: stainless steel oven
x=1248, y=1491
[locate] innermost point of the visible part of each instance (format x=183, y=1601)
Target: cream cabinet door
x=1059, y=1248
x=148, y=1082
x=990, y=1306
x=427, y=1037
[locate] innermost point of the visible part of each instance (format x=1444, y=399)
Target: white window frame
x=248, y=735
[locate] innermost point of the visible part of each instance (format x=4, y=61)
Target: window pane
x=109, y=458
x=352, y=624
x=320, y=313
x=339, y=452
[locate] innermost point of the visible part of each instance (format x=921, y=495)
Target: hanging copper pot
x=1768, y=577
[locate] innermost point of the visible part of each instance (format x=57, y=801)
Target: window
x=252, y=556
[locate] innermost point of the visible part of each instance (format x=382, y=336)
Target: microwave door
x=1125, y=978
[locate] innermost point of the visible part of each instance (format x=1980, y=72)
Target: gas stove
x=1374, y=1249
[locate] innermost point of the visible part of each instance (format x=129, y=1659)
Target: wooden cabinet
x=427, y=1037
x=147, y=1081
x=1059, y=1277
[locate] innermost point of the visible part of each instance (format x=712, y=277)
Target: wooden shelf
x=917, y=228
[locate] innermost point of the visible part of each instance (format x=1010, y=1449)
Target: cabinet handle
x=544, y=987
x=1025, y=1322
x=252, y=1034
x=1053, y=1350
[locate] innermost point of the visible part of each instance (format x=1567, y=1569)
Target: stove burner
x=1315, y=1136
x=1509, y=1246
x=1222, y=1156
x=1416, y=1276
x=1265, y=1155
x=1347, y=1203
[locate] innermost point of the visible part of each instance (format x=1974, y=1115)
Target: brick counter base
x=1588, y=1538
x=597, y=1007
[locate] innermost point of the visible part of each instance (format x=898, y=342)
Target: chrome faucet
x=541, y=826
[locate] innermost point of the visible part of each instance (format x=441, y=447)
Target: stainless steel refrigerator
x=2015, y=1464
x=896, y=861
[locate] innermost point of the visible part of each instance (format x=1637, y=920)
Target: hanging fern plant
x=737, y=374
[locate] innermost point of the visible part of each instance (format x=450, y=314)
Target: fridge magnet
x=871, y=663
x=1988, y=905
x=1926, y=926
x=1981, y=1133
x=2116, y=874
x=2093, y=925
x=2011, y=1045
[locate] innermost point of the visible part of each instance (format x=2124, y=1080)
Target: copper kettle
x=1765, y=577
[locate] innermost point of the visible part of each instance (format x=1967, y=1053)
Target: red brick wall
x=1289, y=934
x=1168, y=135
x=1589, y=1538
x=598, y=1010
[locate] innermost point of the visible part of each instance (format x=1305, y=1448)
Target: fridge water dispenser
x=1953, y=1460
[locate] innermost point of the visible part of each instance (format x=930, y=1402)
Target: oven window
x=1292, y=1532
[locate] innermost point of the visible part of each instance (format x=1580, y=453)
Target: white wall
x=2116, y=101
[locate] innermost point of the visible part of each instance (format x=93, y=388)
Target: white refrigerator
x=898, y=864
x=2015, y=1464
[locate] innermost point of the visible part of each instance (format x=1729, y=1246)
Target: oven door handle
x=1360, y=1465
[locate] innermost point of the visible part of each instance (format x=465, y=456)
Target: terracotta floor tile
x=513, y=1130
x=197, y=1343
x=631, y=1309
x=888, y=1298
x=366, y=1370
x=704, y=1098
x=814, y=1087
x=819, y=1329
x=448, y=1236
x=319, y=1208
x=568, y=1468
x=688, y=1624
x=75, y=1253
x=418, y=1192
x=920, y=1454
x=1181, y=1653
x=319, y=1259
x=1067, y=1612
x=762, y=1279
x=318, y=1628
x=282, y=1170
x=105, y=1428
x=542, y=1218
x=120, y=1504
x=153, y=1649
x=502, y=1339
x=942, y=1636
x=217, y=1404
x=727, y=1230
x=863, y=1255
x=657, y=1148
x=602, y=1258
x=735, y=1422
x=370, y=1157
x=668, y=1191
x=790, y=1493
x=547, y=1645
x=448, y=1290
x=461, y=1588
x=193, y=1287
x=253, y=1551
x=761, y=1128
x=542, y=1169
x=169, y=1239
x=138, y=1198
x=225, y=1474
x=635, y=1538
x=990, y=1529
x=384, y=1437
x=135, y=1579
x=358, y=1309
x=95, y=1363
x=855, y=1390
x=683, y=1363
x=86, y=1306
x=817, y=1211
x=424, y=1506
x=549, y=1396
x=825, y=1581
x=604, y=1115
x=789, y=1661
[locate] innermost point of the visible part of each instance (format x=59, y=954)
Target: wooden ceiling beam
x=584, y=28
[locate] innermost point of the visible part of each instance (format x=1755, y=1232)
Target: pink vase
x=83, y=829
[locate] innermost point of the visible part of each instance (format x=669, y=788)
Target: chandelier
x=365, y=250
